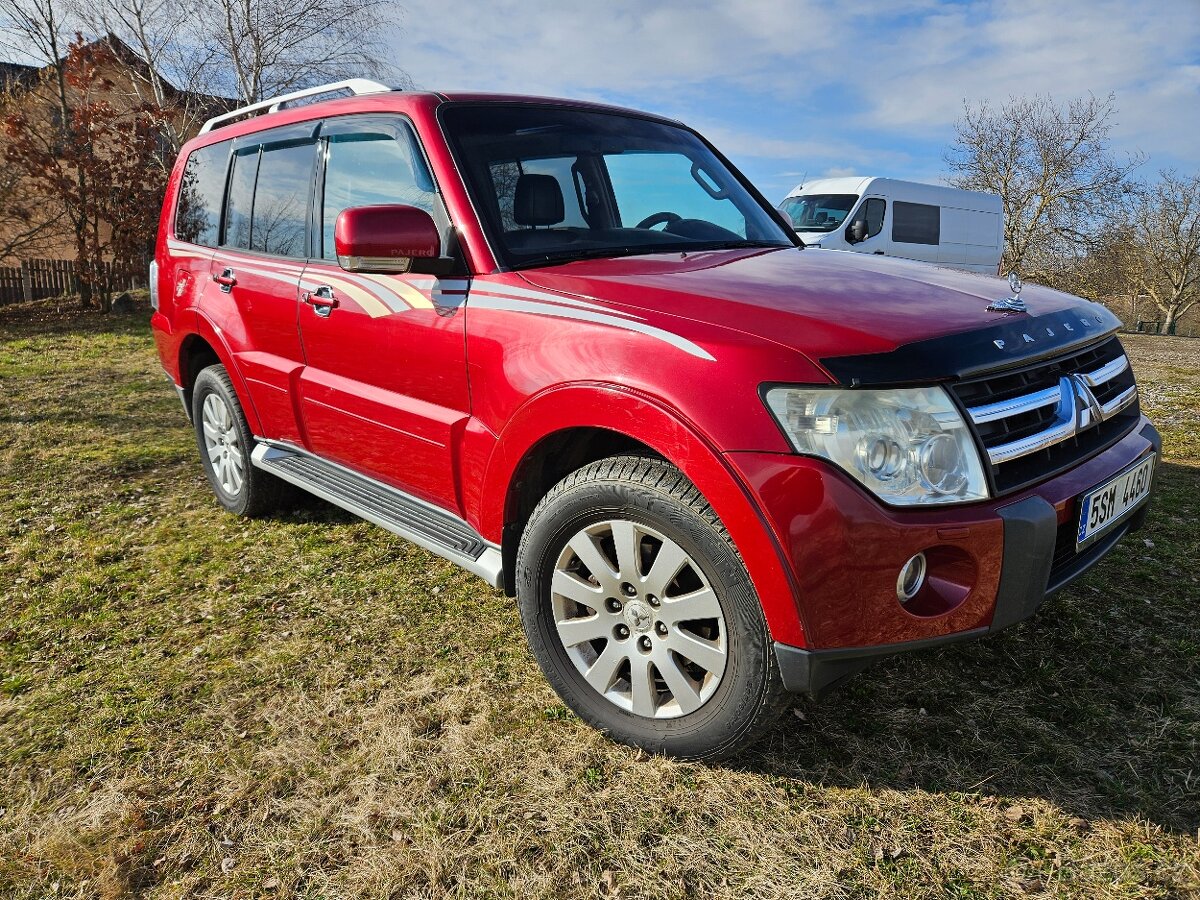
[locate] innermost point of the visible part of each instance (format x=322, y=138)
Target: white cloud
x=829, y=84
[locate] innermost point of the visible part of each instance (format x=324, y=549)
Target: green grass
x=193, y=705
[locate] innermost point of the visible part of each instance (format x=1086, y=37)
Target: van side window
x=198, y=213
x=367, y=168
x=281, y=198
x=916, y=223
x=241, y=198
x=872, y=212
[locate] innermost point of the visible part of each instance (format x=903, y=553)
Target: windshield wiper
x=741, y=245
x=569, y=256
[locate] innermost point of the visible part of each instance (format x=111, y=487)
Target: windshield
x=554, y=185
x=818, y=212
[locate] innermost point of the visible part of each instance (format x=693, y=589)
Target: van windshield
x=818, y=212
x=554, y=185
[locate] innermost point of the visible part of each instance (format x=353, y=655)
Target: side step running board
x=414, y=520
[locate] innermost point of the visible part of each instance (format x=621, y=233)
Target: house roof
x=16, y=73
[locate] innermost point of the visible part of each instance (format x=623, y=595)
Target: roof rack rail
x=355, y=86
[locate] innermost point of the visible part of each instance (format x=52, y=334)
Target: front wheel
x=641, y=614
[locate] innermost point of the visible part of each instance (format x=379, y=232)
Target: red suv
x=570, y=348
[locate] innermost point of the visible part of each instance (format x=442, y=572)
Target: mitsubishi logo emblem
x=1078, y=408
x=1088, y=412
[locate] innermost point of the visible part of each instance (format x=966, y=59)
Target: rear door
x=256, y=270
x=385, y=387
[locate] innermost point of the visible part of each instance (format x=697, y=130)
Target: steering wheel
x=659, y=218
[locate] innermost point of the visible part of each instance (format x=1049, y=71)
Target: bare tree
x=172, y=69
x=1161, y=256
x=275, y=46
x=42, y=29
x=1052, y=168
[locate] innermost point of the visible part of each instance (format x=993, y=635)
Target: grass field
x=193, y=705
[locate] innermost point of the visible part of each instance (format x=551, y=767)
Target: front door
x=385, y=387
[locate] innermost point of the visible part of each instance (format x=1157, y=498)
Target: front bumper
x=1015, y=552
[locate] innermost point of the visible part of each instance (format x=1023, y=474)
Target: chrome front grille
x=1041, y=419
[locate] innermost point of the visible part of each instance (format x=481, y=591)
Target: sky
x=802, y=89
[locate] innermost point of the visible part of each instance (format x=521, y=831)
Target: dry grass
x=192, y=705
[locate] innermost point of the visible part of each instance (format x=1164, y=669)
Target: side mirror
x=384, y=238
x=857, y=232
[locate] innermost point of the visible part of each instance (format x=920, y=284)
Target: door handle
x=227, y=279
x=321, y=300
x=879, y=253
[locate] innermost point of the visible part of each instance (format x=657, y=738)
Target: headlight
x=908, y=446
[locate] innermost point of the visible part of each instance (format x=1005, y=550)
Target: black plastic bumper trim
x=1030, y=527
x=813, y=672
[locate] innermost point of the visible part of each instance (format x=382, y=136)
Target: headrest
x=538, y=201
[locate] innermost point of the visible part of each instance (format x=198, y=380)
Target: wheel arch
x=205, y=347
x=569, y=427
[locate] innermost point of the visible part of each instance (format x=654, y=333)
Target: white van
x=926, y=222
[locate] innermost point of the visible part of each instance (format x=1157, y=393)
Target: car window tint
x=198, y=213
x=916, y=223
x=368, y=169
x=648, y=183
x=241, y=198
x=280, y=218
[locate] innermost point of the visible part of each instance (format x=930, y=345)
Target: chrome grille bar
x=1076, y=409
x=1017, y=405
x=1105, y=373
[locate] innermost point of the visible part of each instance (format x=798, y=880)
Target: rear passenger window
x=279, y=224
x=241, y=198
x=368, y=168
x=916, y=223
x=198, y=213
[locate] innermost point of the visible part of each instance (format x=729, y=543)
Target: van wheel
x=226, y=443
x=639, y=610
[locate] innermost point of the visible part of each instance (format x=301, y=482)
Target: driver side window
x=872, y=212
x=648, y=183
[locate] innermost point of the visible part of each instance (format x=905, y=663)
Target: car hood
x=864, y=318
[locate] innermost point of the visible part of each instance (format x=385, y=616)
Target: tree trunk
x=1168, y=326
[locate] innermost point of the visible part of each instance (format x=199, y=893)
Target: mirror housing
x=857, y=232
x=385, y=238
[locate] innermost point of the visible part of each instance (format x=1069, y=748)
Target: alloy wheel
x=638, y=619
x=223, y=445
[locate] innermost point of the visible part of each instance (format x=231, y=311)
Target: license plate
x=1108, y=504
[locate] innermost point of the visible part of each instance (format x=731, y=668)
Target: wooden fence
x=36, y=279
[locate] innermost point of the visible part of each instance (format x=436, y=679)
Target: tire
x=705, y=708
x=225, y=451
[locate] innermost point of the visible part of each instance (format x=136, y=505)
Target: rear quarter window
x=198, y=210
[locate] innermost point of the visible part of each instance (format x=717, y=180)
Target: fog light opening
x=911, y=579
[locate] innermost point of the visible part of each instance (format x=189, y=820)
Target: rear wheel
x=641, y=614
x=226, y=443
